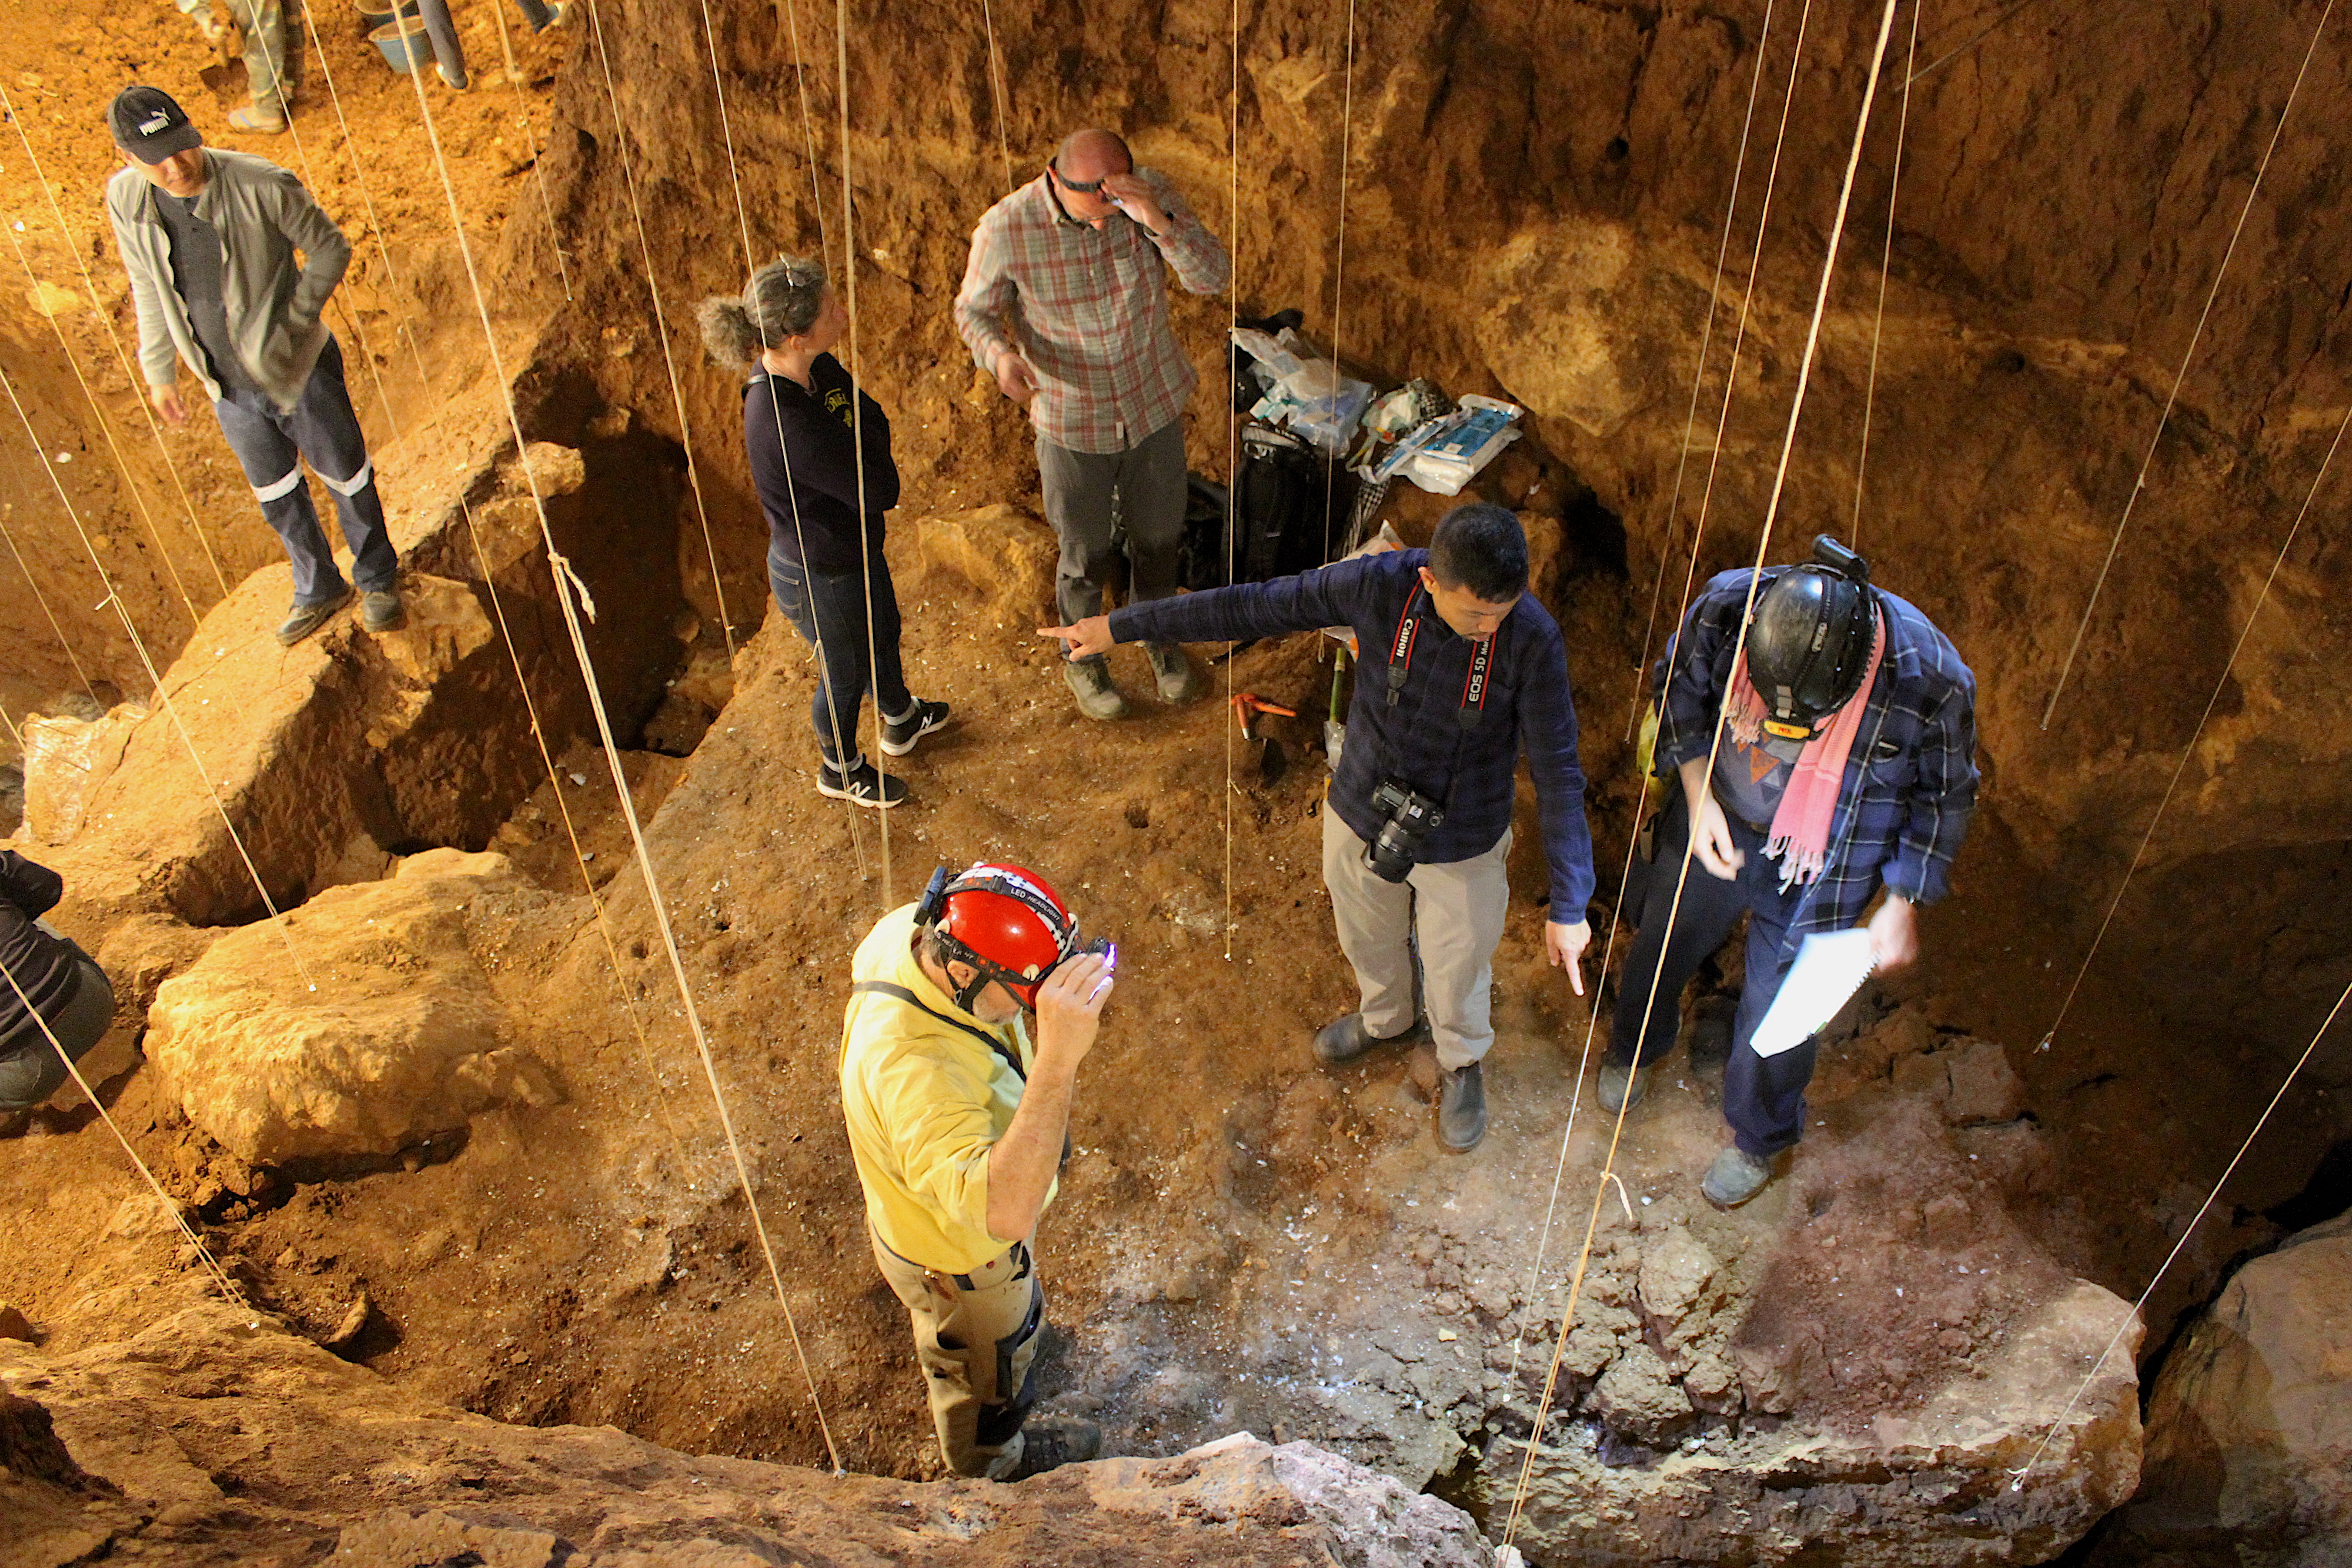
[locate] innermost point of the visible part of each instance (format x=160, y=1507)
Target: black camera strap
x=1475, y=680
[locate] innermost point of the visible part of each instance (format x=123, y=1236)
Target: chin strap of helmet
x=933, y=908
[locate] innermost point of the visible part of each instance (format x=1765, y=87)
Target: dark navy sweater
x=1420, y=741
x=805, y=463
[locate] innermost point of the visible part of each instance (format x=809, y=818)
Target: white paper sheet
x=1829, y=968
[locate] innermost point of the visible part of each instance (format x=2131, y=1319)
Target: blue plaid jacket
x=1419, y=740
x=1911, y=784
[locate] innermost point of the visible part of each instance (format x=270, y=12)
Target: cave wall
x=1534, y=199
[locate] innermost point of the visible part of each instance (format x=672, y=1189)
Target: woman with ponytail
x=820, y=455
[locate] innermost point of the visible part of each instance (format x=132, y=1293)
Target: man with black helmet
x=1846, y=765
x=960, y=1124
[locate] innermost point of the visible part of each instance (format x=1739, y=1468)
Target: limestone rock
x=1984, y=1087
x=1004, y=552
x=144, y=951
x=1573, y=325
x=65, y=761
x=211, y=1406
x=1635, y=1398
x=1777, y=1493
x=1366, y=1518
x=402, y=1038
x=2250, y=1427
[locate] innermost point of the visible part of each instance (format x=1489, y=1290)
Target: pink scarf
x=1799, y=839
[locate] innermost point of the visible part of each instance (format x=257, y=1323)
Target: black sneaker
x=1052, y=1441
x=1462, y=1109
x=900, y=735
x=859, y=784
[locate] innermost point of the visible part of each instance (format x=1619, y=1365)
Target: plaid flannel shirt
x=1422, y=742
x=1910, y=786
x=1088, y=311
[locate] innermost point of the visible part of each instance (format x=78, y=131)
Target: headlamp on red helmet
x=1005, y=921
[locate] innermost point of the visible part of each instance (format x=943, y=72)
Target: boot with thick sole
x=1621, y=1087
x=1736, y=1176
x=1460, y=1108
x=1172, y=672
x=1090, y=682
x=304, y=619
x=1050, y=1442
x=1344, y=1040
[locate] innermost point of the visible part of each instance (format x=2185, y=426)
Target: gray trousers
x=271, y=446
x=1147, y=481
x=1451, y=913
x=448, y=54
x=32, y=1073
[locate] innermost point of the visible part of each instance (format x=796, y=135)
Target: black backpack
x=1285, y=503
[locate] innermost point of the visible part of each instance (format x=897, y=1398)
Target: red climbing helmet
x=1005, y=921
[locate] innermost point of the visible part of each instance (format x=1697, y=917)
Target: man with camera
x=959, y=1125
x=1846, y=763
x=1064, y=301
x=1461, y=668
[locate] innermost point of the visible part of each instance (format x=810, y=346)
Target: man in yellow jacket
x=960, y=1124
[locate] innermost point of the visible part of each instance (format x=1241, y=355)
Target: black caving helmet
x=1810, y=638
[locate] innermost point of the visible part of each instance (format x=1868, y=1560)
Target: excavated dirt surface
x=1242, y=1239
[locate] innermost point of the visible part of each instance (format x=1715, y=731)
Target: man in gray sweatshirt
x=208, y=238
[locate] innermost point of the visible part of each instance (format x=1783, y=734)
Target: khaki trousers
x=976, y=1337
x=1452, y=914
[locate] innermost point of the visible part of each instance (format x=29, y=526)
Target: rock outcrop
x=386, y=1031
x=2250, y=1426
x=216, y=1437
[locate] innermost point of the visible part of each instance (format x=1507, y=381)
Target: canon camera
x=1407, y=815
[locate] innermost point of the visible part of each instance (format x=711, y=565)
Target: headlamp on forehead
x=1809, y=639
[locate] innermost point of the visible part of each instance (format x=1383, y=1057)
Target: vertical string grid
x=2181, y=375
x=743, y=228
x=996, y=90
x=133, y=377
x=156, y=677
x=858, y=434
x=43, y=600
x=73, y=1069
x=1739, y=340
x=1763, y=545
x=661, y=326
x=2190, y=750
x=1885, y=265
x=1233, y=439
x=560, y=569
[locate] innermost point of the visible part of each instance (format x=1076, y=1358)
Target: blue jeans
x=271, y=444
x=828, y=609
x=1763, y=1096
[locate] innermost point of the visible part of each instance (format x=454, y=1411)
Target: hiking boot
x=1173, y=673
x=381, y=609
x=256, y=119
x=555, y=14
x=1622, y=1086
x=305, y=619
x=1344, y=1040
x=1460, y=1108
x=900, y=735
x=1090, y=682
x=860, y=784
x=457, y=82
x=1736, y=1176
x=1710, y=1033
x=1052, y=1441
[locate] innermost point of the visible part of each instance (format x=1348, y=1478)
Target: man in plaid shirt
x=1065, y=303
x=1905, y=792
